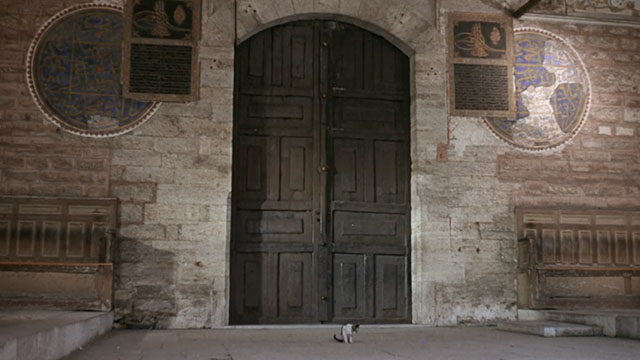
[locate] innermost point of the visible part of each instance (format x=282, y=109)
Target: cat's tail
x=336, y=338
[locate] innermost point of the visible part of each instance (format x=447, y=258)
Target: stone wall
x=173, y=173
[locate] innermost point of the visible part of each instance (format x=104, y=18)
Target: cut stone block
x=550, y=328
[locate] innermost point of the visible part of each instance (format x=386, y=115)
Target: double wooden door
x=320, y=222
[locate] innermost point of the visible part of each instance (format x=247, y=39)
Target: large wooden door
x=320, y=222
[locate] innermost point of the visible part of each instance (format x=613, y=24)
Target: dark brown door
x=320, y=223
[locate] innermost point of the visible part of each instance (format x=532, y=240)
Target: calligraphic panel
x=161, y=50
x=552, y=89
x=480, y=65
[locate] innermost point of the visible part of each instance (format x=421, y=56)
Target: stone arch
x=404, y=23
x=400, y=44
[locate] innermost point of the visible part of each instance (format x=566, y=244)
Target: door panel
x=349, y=286
x=249, y=275
x=368, y=139
x=276, y=115
x=391, y=287
x=294, y=286
x=320, y=221
x=260, y=227
x=390, y=169
x=296, y=160
x=278, y=59
x=362, y=230
x=349, y=171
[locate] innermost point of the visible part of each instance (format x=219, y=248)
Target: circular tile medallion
x=73, y=73
x=553, y=93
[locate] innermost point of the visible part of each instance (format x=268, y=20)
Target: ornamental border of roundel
x=36, y=96
x=587, y=107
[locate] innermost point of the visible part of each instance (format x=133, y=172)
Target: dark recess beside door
x=321, y=217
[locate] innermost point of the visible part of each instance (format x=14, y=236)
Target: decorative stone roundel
x=73, y=73
x=553, y=93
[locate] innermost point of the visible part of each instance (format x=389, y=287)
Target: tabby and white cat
x=347, y=333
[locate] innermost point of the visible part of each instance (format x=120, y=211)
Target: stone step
x=614, y=322
x=48, y=334
x=549, y=328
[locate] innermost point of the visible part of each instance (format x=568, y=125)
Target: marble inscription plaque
x=480, y=61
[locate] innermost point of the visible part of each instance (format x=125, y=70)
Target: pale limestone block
x=632, y=115
x=217, y=95
x=136, y=158
x=210, y=127
x=212, y=194
x=469, y=132
x=376, y=13
x=215, y=146
x=224, y=54
x=211, y=76
x=426, y=9
x=130, y=142
x=624, y=131
x=222, y=113
x=326, y=6
x=176, y=145
x=130, y=213
x=160, y=125
x=201, y=231
x=247, y=19
x=197, y=109
x=142, y=232
x=173, y=214
x=133, y=192
x=302, y=6
x=604, y=130
x=407, y=24
x=184, y=162
x=262, y=10
x=204, y=176
x=218, y=213
x=148, y=174
x=349, y=7
x=284, y=8
x=218, y=26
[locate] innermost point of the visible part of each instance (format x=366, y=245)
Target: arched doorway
x=321, y=169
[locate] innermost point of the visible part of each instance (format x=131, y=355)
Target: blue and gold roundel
x=74, y=73
x=553, y=93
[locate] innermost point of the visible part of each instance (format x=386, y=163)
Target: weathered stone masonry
x=172, y=175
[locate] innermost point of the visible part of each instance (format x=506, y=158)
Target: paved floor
x=371, y=343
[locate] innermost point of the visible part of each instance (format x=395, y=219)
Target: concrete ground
x=373, y=342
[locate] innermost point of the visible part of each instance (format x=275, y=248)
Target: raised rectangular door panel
x=264, y=227
x=363, y=230
x=294, y=286
x=257, y=164
x=249, y=285
x=383, y=116
x=278, y=60
x=349, y=170
x=391, y=287
x=275, y=115
x=296, y=167
x=349, y=287
x=390, y=172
